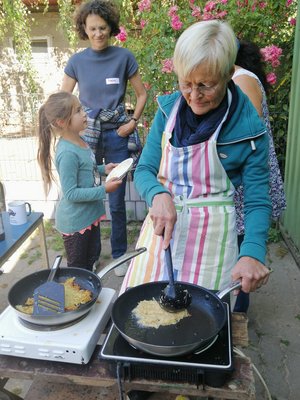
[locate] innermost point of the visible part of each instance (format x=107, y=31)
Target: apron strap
x=172, y=119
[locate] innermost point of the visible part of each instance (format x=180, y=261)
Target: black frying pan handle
x=169, y=262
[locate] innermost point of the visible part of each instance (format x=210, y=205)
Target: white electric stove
x=72, y=344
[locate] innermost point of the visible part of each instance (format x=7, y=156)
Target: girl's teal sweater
x=81, y=202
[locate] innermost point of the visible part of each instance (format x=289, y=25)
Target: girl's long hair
x=58, y=106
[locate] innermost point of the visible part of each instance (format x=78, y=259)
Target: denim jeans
x=115, y=149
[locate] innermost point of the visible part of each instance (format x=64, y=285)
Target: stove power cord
x=241, y=354
x=119, y=380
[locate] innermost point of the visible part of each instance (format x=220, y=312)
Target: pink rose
x=144, y=5
x=221, y=14
x=210, y=6
x=262, y=4
x=143, y=23
x=122, y=36
x=167, y=66
x=176, y=23
x=172, y=11
x=196, y=12
x=207, y=17
x=293, y=21
x=271, y=78
x=271, y=55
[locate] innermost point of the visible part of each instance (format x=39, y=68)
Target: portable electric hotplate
x=72, y=343
x=211, y=366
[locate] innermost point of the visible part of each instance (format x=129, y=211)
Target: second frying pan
x=207, y=317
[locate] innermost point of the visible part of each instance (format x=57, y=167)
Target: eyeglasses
x=200, y=88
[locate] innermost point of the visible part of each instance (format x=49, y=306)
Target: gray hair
x=212, y=43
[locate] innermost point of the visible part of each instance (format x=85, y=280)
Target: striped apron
x=204, y=242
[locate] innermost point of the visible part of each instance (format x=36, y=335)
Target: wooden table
x=60, y=381
x=15, y=236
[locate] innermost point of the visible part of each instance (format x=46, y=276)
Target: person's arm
x=141, y=98
x=68, y=84
x=140, y=93
x=67, y=165
x=163, y=215
x=251, y=88
x=252, y=273
x=250, y=268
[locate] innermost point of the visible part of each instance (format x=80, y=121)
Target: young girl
x=81, y=206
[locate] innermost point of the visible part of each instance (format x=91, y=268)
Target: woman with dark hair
x=250, y=76
x=250, y=58
x=102, y=72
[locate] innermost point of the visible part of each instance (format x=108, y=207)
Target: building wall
x=19, y=171
x=16, y=104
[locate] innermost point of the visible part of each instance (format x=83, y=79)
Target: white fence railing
x=21, y=180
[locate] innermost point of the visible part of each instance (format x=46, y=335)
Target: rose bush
x=152, y=28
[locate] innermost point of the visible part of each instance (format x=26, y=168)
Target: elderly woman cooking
x=206, y=139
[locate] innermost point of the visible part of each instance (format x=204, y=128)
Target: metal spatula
x=49, y=298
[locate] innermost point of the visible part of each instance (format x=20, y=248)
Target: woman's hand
x=112, y=185
x=252, y=273
x=163, y=215
x=126, y=129
x=109, y=167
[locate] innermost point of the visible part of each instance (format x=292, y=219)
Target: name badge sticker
x=112, y=81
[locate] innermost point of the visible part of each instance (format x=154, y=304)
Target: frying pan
x=24, y=288
x=208, y=316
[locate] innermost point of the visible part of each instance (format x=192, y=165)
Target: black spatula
x=173, y=297
x=49, y=298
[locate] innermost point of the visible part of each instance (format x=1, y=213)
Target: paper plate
x=120, y=170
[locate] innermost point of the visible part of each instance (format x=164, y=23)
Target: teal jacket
x=243, y=149
x=81, y=202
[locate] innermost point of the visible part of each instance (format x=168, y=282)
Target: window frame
x=43, y=57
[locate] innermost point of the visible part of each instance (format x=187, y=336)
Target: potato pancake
x=74, y=297
x=150, y=314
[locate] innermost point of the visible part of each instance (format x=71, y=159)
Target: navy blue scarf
x=192, y=129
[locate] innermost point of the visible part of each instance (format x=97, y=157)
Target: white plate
x=121, y=169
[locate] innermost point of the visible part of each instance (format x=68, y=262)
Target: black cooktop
x=210, y=366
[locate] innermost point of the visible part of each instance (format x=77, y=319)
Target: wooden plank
x=21, y=368
x=240, y=329
x=98, y=378
x=42, y=389
x=239, y=387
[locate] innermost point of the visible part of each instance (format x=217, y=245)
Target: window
x=40, y=47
